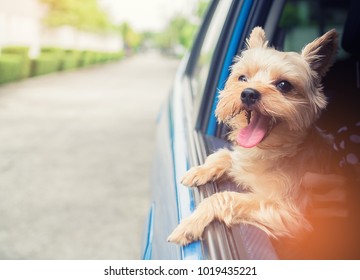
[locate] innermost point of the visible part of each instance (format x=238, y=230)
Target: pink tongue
x=252, y=135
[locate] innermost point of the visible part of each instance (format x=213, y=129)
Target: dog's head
x=268, y=88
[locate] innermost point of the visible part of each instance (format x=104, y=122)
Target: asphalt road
x=75, y=156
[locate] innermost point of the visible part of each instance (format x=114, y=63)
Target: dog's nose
x=249, y=96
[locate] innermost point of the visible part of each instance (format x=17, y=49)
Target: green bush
x=56, y=53
x=87, y=58
x=45, y=63
x=11, y=67
x=93, y=57
x=118, y=55
x=23, y=53
x=15, y=63
x=97, y=57
x=83, y=59
x=51, y=49
x=70, y=59
x=101, y=57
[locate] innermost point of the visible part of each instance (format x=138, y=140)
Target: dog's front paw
x=196, y=176
x=186, y=232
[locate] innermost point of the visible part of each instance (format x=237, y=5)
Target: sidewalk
x=75, y=155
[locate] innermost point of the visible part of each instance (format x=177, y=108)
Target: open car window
x=298, y=23
x=241, y=241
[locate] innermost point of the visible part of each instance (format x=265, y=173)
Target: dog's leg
x=215, y=166
x=228, y=207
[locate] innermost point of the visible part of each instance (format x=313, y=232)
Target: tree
x=202, y=8
x=132, y=40
x=83, y=15
x=180, y=31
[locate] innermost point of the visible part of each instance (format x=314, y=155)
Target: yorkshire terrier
x=270, y=103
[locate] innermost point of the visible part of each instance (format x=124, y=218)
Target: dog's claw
x=186, y=232
x=196, y=176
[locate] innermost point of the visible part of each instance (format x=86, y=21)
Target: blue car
x=187, y=130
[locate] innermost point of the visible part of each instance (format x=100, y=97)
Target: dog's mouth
x=256, y=131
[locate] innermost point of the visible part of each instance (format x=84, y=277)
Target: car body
x=187, y=131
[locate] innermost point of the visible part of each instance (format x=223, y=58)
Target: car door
x=175, y=149
x=188, y=132
x=206, y=136
x=245, y=241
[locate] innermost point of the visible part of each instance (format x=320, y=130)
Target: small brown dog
x=270, y=102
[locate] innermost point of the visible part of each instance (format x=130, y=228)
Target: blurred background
x=81, y=83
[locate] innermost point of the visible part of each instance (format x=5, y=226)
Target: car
x=187, y=130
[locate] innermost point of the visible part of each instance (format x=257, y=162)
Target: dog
x=270, y=103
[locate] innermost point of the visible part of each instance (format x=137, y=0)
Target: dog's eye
x=242, y=78
x=284, y=86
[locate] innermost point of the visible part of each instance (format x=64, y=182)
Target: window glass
x=304, y=20
x=209, y=45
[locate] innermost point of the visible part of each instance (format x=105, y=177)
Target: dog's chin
x=257, y=129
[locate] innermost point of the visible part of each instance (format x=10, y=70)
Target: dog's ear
x=257, y=38
x=321, y=52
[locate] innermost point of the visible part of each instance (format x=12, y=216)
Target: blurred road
x=75, y=154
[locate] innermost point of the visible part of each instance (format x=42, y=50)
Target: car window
x=303, y=21
x=300, y=23
x=211, y=39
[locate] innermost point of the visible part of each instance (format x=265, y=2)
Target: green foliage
x=55, y=50
x=83, y=15
x=115, y=56
x=70, y=60
x=53, y=59
x=15, y=63
x=87, y=58
x=45, y=63
x=10, y=68
x=23, y=53
x=132, y=39
x=290, y=17
x=56, y=54
x=24, y=50
x=202, y=8
x=180, y=31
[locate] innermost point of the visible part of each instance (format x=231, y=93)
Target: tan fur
x=271, y=172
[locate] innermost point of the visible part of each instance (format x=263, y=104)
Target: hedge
x=88, y=58
x=11, y=67
x=56, y=54
x=15, y=63
x=23, y=53
x=117, y=55
x=70, y=60
x=45, y=63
